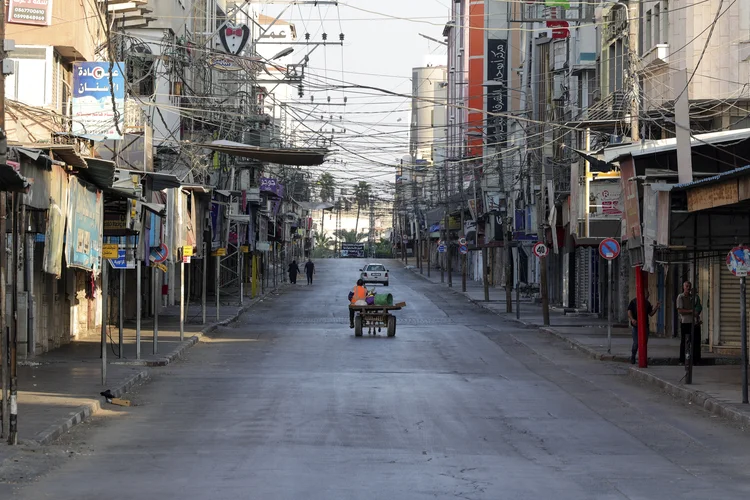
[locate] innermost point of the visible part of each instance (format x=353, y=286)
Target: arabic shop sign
x=98, y=100
x=497, y=93
x=271, y=185
x=36, y=12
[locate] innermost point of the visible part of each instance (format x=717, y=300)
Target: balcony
x=656, y=56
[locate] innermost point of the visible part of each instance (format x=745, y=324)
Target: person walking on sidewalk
x=633, y=318
x=293, y=272
x=690, y=312
x=309, y=271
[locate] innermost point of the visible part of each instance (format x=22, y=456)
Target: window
x=657, y=25
x=376, y=267
x=647, y=32
x=28, y=83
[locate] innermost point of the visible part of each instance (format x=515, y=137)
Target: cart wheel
x=358, y=326
x=391, y=326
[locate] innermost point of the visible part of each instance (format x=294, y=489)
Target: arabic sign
x=270, y=185
x=604, y=198
x=738, y=261
x=497, y=94
x=94, y=89
x=352, y=249
x=37, y=12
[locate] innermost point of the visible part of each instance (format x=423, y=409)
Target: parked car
x=374, y=273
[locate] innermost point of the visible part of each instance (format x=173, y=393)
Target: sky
x=381, y=46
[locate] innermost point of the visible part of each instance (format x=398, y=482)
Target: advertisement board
x=99, y=100
x=36, y=12
x=352, y=249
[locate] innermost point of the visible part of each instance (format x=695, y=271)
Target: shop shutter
x=729, y=308
x=583, y=278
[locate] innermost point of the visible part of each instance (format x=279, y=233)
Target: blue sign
x=441, y=248
x=98, y=100
x=463, y=249
x=609, y=249
x=83, y=235
x=121, y=261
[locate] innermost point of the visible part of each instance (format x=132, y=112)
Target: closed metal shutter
x=583, y=278
x=729, y=308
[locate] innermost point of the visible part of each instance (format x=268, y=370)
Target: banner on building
x=352, y=249
x=650, y=223
x=36, y=12
x=632, y=209
x=98, y=100
x=83, y=237
x=54, y=236
x=497, y=91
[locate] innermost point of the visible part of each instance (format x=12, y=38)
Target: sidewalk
x=60, y=389
x=716, y=383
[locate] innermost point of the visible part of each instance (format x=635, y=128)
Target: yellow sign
x=219, y=252
x=187, y=251
x=162, y=267
x=245, y=249
x=110, y=250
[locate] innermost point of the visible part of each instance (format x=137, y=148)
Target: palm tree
x=351, y=236
x=322, y=240
x=362, y=197
x=327, y=187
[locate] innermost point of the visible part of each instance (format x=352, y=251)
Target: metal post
x=429, y=254
x=641, y=284
x=463, y=272
x=518, y=283
x=508, y=276
x=122, y=315
x=206, y=253
x=610, y=292
x=13, y=341
x=743, y=332
x=485, y=275
x=105, y=299
x=241, y=274
x=182, y=298
x=4, y=414
x=544, y=290
x=218, y=276
x=157, y=305
x=138, y=309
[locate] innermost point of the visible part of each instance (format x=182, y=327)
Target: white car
x=374, y=273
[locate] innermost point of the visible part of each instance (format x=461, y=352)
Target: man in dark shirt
x=633, y=319
x=309, y=270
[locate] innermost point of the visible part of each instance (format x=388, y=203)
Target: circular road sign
x=462, y=241
x=540, y=249
x=609, y=249
x=463, y=249
x=738, y=261
x=160, y=255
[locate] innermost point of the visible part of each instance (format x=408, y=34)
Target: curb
x=180, y=350
x=699, y=398
x=84, y=412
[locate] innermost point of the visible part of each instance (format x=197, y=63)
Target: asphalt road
x=288, y=404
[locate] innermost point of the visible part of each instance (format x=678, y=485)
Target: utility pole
x=4, y=413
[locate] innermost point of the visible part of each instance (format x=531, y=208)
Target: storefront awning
x=161, y=180
x=98, y=172
x=296, y=156
x=156, y=208
x=11, y=179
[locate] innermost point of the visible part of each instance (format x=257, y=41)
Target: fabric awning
x=293, y=156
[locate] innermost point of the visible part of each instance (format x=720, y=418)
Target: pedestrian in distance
x=633, y=318
x=689, y=308
x=293, y=272
x=357, y=296
x=309, y=271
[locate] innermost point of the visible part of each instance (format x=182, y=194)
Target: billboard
x=352, y=249
x=83, y=235
x=99, y=100
x=497, y=92
x=36, y=12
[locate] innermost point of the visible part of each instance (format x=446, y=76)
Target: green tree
x=351, y=236
x=323, y=241
x=362, y=197
x=327, y=185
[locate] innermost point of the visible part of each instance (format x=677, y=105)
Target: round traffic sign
x=609, y=249
x=540, y=249
x=463, y=249
x=462, y=241
x=738, y=261
x=160, y=254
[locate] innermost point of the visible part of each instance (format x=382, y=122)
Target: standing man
x=689, y=313
x=309, y=270
x=633, y=318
